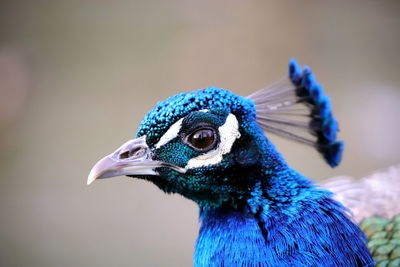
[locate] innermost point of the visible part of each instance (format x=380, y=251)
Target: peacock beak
x=132, y=158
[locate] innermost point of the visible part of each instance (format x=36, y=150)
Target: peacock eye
x=202, y=140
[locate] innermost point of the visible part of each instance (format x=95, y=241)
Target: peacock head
x=209, y=145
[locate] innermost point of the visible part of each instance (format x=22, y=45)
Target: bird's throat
x=225, y=235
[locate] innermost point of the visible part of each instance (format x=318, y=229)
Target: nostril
x=136, y=152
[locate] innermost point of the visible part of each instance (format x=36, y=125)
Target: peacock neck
x=235, y=233
x=229, y=237
x=280, y=229
x=276, y=221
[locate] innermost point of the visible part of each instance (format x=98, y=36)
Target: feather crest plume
x=296, y=108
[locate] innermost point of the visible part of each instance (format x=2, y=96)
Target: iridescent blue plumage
x=254, y=209
x=165, y=113
x=284, y=220
x=209, y=146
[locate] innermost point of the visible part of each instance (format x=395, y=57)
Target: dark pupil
x=202, y=139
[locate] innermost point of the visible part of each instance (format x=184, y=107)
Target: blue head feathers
x=167, y=112
x=295, y=108
x=300, y=96
x=207, y=133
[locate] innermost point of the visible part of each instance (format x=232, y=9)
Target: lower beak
x=132, y=158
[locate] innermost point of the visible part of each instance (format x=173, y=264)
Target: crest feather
x=297, y=108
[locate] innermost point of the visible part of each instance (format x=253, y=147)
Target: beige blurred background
x=77, y=77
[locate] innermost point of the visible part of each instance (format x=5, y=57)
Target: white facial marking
x=228, y=133
x=170, y=134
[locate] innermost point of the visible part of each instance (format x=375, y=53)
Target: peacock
x=210, y=146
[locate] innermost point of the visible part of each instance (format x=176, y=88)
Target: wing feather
x=377, y=195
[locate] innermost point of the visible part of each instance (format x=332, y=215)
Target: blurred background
x=77, y=77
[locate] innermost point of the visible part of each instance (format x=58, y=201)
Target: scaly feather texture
x=373, y=202
x=383, y=240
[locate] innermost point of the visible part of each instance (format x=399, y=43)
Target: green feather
x=383, y=240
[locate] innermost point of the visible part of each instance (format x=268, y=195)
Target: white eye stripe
x=170, y=134
x=228, y=133
x=173, y=132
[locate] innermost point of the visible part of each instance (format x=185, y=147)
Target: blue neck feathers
x=300, y=226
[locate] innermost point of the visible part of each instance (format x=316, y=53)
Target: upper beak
x=132, y=158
